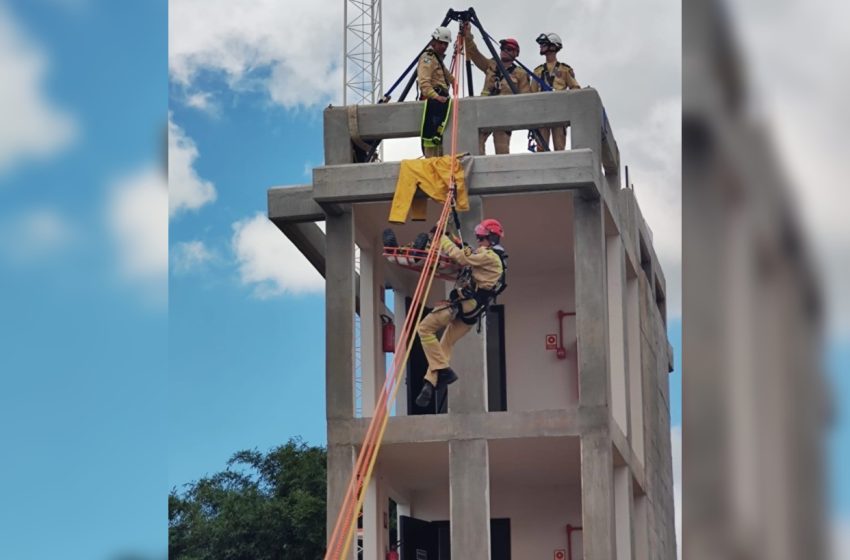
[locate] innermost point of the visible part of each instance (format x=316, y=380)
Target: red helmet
x=489, y=226
x=511, y=42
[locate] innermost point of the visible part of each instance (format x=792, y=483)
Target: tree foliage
x=261, y=507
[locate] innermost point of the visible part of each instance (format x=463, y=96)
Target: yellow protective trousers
x=431, y=176
x=439, y=352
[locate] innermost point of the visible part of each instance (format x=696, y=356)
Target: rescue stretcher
x=414, y=259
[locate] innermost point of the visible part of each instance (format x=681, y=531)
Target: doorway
x=437, y=539
x=417, y=365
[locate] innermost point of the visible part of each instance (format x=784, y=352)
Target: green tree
x=261, y=507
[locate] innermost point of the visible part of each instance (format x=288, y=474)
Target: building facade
x=536, y=452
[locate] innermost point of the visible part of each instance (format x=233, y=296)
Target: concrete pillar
x=375, y=507
x=372, y=362
x=591, y=302
x=469, y=359
x=400, y=312
x=623, y=505
x=341, y=459
x=469, y=491
x=586, y=132
x=467, y=138
x=586, y=123
x=597, y=496
x=339, y=317
x=337, y=137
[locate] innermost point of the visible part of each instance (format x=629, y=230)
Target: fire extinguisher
x=387, y=333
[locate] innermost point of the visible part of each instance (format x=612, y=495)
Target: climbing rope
x=346, y=522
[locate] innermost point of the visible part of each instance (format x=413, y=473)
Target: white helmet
x=442, y=34
x=550, y=38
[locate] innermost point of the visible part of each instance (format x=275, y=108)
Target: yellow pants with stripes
x=439, y=352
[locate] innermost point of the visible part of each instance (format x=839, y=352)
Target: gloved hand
x=467, y=250
x=446, y=244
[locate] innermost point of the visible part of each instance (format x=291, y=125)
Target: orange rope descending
x=346, y=521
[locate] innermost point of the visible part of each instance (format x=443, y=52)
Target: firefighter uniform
x=495, y=84
x=486, y=267
x=559, y=76
x=433, y=79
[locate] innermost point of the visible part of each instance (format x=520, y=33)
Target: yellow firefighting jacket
x=431, y=74
x=485, y=264
x=560, y=76
x=492, y=85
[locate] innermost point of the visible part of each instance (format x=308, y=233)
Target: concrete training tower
x=530, y=443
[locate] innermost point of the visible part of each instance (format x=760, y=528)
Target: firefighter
x=484, y=280
x=559, y=76
x=494, y=82
x=434, y=80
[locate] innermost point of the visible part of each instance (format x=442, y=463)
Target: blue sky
x=84, y=331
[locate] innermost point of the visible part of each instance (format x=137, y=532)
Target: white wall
x=623, y=517
x=431, y=504
x=641, y=528
x=539, y=516
x=635, y=370
x=616, y=331
x=536, y=379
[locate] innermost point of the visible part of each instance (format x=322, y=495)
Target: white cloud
x=203, y=101
x=189, y=255
x=676, y=448
x=288, y=50
x=35, y=235
x=137, y=216
x=809, y=129
x=841, y=539
x=269, y=262
x=32, y=126
x=186, y=190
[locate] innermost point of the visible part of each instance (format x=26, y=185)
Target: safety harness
x=497, y=80
x=550, y=78
x=466, y=289
x=435, y=115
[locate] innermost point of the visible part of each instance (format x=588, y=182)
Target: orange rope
x=346, y=522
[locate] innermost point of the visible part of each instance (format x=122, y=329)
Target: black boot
x=389, y=238
x=425, y=395
x=446, y=376
x=421, y=241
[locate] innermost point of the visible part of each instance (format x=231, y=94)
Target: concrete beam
x=381, y=121
x=293, y=204
x=307, y=238
x=469, y=498
x=494, y=425
x=490, y=175
x=403, y=120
